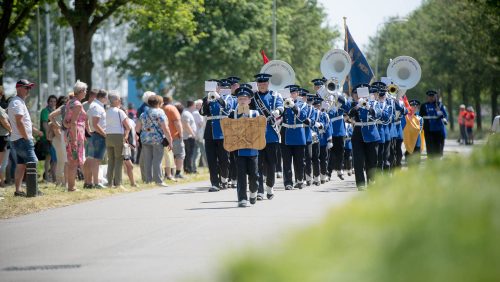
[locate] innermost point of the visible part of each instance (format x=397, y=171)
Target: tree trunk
x=477, y=105
x=465, y=98
x=449, y=89
x=3, y=58
x=494, y=100
x=83, y=53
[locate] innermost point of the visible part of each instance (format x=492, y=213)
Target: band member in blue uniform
x=365, y=137
x=321, y=139
x=336, y=114
x=348, y=147
x=383, y=124
x=233, y=173
x=308, y=98
x=247, y=159
x=215, y=108
x=293, y=138
x=269, y=104
x=325, y=134
x=435, y=120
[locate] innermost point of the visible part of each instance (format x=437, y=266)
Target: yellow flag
x=411, y=132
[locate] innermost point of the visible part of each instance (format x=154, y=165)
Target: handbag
x=164, y=141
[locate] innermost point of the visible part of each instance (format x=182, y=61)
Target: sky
x=363, y=16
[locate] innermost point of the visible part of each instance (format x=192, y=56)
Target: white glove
x=440, y=113
x=318, y=125
x=329, y=145
x=276, y=113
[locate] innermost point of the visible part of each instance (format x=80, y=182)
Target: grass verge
x=55, y=197
x=439, y=222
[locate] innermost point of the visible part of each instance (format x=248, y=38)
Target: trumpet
x=288, y=103
x=393, y=89
x=212, y=96
x=363, y=103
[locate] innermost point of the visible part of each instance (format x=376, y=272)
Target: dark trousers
x=218, y=160
x=434, y=140
x=398, y=152
x=463, y=134
x=189, y=163
x=323, y=160
x=267, y=165
x=336, y=154
x=293, y=153
x=307, y=161
x=383, y=155
x=246, y=166
x=279, y=167
x=315, y=159
x=233, y=167
x=347, y=159
x=364, y=156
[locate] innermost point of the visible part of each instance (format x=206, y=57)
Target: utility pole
x=50, y=53
x=275, y=55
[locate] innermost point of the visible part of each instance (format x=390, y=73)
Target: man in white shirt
x=22, y=132
x=96, y=148
x=199, y=150
x=189, y=135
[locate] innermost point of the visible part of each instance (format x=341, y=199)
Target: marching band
x=320, y=133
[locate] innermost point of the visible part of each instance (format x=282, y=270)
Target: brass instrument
x=405, y=72
x=288, y=103
x=212, y=96
x=335, y=66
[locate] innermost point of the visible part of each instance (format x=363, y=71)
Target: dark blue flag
x=361, y=72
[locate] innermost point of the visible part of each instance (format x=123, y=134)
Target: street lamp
x=393, y=20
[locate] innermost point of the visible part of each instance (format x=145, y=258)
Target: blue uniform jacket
x=384, y=120
x=272, y=101
x=311, y=115
x=347, y=142
x=399, y=113
x=215, y=111
x=432, y=120
x=325, y=134
x=337, y=117
x=297, y=135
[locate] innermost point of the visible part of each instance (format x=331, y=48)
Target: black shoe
x=213, y=189
x=308, y=183
x=260, y=197
x=316, y=183
x=20, y=194
x=234, y=185
x=270, y=196
x=301, y=185
x=340, y=176
x=242, y=204
x=288, y=187
x=323, y=181
x=87, y=186
x=253, y=200
x=179, y=176
x=223, y=186
x=296, y=185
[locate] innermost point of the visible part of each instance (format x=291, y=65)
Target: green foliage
x=228, y=39
x=456, y=44
x=437, y=223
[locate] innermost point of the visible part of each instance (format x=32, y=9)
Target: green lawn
x=438, y=222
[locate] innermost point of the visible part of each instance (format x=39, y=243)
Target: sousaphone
x=335, y=66
x=282, y=74
x=405, y=72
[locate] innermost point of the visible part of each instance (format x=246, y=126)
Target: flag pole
x=346, y=45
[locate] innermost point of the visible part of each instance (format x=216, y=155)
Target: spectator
x=97, y=142
x=131, y=112
x=128, y=154
x=47, y=150
x=5, y=130
x=117, y=131
x=470, y=116
x=153, y=127
x=461, y=123
x=3, y=100
x=75, y=119
x=200, y=156
x=86, y=105
x=22, y=132
x=143, y=108
x=175, y=127
x=58, y=141
x=189, y=135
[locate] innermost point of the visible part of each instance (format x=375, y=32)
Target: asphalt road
x=167, y=234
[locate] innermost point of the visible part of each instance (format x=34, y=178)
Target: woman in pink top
x=74, y=120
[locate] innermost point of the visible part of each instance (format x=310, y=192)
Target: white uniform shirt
x=18, y=107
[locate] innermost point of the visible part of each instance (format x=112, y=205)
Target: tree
x=229, y=37
x=14, y=18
